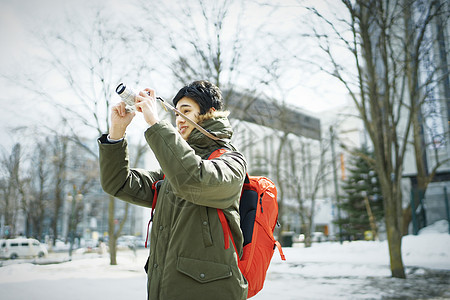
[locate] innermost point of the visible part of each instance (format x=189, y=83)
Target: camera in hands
x=127, y=95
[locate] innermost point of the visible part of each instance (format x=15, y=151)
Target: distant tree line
x=36, y=179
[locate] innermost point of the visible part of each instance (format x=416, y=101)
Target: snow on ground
x=353, y=270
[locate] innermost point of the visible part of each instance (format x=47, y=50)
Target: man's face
x=191, y=109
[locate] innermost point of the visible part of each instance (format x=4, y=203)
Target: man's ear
x=209, y=115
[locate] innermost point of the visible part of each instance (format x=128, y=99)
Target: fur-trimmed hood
x=216, y=123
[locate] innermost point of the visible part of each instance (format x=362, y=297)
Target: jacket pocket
x=203, y=271
x=206, y=227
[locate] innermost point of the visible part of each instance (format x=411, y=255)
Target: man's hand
x=146, y=104
x=120, y=119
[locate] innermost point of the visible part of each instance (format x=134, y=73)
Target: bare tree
x=59, y=166
x=307, y=174
x=30, y=187
x=81, y=173
x=37, y=200
x=196, y=45
x=402, y=38
x=388, y=42
x=371, y=34
x=11, y=186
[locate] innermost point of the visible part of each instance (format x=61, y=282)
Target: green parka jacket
x=188, y=259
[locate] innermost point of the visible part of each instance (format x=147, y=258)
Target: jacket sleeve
x=215, y=183
x=119, y=180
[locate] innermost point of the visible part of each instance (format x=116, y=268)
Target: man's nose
x=180, y=119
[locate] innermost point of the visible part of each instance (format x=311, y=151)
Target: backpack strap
x=217, y=153
x=226, y=231
x=227, y=234
x=277, y=243
x=223, y=220
x=155, y=187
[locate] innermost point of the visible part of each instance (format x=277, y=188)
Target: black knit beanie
x=203, y=92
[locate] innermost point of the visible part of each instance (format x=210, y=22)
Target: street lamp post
x=73, y=200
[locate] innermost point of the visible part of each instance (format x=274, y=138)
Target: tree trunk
x=280, y=183
x=60, y=166
x=394, y=223
x=111, y=233
x=395, y=251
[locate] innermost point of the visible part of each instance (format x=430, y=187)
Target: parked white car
x=22, y=247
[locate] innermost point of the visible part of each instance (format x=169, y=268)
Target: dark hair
x=203, y=92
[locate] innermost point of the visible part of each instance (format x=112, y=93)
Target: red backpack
x=258, y=209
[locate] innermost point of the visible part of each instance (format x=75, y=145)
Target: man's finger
x=122, y=110
x=149, y=92
x=139, y=98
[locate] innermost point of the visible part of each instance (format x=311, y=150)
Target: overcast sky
x=19, y=17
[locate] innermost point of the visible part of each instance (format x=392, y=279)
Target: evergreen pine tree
x=361, y=182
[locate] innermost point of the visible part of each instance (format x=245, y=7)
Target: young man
x=188, y=259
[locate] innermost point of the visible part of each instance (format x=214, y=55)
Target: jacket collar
x=219, y=126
